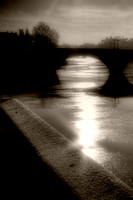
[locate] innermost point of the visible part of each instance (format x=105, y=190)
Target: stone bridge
x=115, y=60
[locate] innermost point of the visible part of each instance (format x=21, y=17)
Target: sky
x=76, y=21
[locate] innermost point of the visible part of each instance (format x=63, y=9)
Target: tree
x=45, y=35
x=116, y=42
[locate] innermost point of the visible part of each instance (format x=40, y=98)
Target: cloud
x=82, y=24
x=108, y=4
x=36, y=5
x=92, y=24
x=24, y=5
x=76, y=21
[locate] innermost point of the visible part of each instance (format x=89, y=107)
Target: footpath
x=39, y=162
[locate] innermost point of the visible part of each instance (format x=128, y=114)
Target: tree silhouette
x=44, y=35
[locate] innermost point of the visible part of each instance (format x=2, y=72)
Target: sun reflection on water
x=80, y=60
x=87, y=124
x=84, y=73
x=88, y=132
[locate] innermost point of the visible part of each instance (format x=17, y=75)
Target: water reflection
x=80, y=75
x=87, y=124
x=97, y=124
x=82, y=72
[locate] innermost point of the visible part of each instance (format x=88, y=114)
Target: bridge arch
x=94, y=69
x=115, y=60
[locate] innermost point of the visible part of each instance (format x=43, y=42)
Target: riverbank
x=100, y=125
x=91, y=120
x=38, y=161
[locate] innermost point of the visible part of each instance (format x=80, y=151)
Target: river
x=101, y=126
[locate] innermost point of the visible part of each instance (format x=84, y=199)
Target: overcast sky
x=76, y=21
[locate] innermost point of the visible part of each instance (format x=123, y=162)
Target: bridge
x=115, y=60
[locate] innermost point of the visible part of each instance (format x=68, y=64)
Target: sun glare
x=86, y=124
x=88, y=130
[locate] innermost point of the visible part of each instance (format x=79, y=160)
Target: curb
x=83, y=176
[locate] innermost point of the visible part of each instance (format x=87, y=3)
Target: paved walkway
x=22, y=172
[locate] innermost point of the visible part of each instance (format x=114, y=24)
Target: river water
x=101, y=126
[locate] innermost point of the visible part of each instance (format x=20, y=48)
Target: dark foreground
x=56, y=169
x=23, y=173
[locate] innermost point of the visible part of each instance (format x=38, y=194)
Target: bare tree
x=44, y=34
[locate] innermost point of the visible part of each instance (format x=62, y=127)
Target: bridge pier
x=117, y=84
